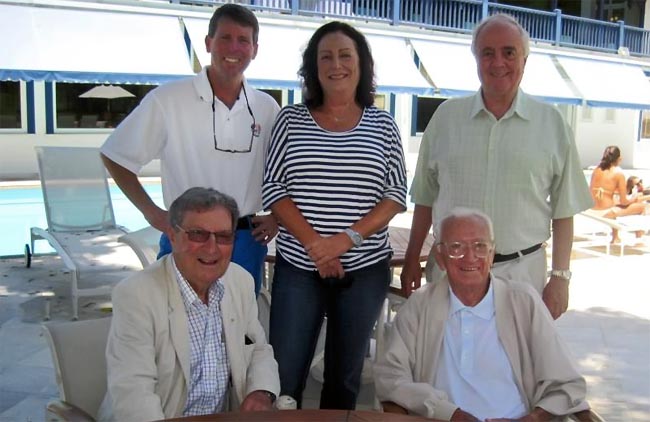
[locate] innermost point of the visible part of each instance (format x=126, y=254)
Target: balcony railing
x=462, y=15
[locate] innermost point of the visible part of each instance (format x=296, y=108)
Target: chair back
x=145, y=244
x=264, y=310
x=78, y=352
x=75, y=189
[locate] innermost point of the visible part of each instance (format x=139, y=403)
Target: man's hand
x=461, y=416
x=256, y=401
x=265, y=227
x=411, y=276
x=324, y=249
x=556, y=296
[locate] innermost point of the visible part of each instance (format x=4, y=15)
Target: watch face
x=357, y=239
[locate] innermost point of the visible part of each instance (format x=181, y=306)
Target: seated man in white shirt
x=476, y=347
x=185, y=339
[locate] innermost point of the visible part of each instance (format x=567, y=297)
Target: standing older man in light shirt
x=474, y=346
x=509, y=155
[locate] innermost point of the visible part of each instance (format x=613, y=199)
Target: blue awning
x=395, y=69
x=452, y=69
x=91, y=46
x=608, y=84
x=279, y=57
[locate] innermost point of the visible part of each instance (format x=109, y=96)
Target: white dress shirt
x=209, y=368
x=474, y=369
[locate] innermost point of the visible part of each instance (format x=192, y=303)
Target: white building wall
x=597, y=128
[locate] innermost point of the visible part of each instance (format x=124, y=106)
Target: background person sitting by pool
x=609, y=190
x=636, y=191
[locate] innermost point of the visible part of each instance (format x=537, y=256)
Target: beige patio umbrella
x=106, y=91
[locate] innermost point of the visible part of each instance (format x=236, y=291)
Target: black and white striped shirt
x=334, y=178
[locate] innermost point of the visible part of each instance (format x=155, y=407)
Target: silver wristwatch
x=565, y=274
x=356, y=238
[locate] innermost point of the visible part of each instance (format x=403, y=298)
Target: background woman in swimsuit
x=608, y=180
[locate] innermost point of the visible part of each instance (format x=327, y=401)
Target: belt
x=244, y=223
x=509, y=257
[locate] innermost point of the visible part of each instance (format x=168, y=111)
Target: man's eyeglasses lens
x=457, y=250
x=202, y=236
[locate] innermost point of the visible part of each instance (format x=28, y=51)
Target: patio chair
x=144, y=243
x=78, y=352
x=598, y=231
x=80, y=221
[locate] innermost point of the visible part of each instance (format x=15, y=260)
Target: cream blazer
x=148, y=351
x=541, y=363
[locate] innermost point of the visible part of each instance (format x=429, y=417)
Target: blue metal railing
x=462, y=15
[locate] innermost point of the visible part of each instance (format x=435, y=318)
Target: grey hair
x=462, y=212
x=504, y=18
x=200, y=200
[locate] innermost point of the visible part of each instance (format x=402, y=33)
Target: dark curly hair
x=312, y=90
x=611, y=154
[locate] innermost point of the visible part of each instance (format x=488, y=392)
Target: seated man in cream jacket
x=185, y=338
x=476, y=347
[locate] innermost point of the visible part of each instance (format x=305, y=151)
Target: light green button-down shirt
x=522, y=170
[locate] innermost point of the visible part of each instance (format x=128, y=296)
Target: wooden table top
x=305, y=415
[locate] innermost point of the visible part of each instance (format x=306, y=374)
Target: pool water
x=22, y=208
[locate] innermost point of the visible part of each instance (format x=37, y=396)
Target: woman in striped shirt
x=334, y=179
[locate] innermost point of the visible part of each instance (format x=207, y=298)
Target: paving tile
x=28, y=379
x=9, y=399
x=30, y=409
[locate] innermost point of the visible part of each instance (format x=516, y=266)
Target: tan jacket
x=541, y=363
x=148, y=351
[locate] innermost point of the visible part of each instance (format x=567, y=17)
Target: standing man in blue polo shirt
x=211, y=130
x=507, y=154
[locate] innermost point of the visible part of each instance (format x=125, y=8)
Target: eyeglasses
x=202, y=236
x=457, y=250
x=254, y=128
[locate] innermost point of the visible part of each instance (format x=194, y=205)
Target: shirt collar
x=204, y=90
x=190, y=298
x=484, y=309
x=520, y=106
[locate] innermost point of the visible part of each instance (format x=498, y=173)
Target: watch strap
x=565, y=274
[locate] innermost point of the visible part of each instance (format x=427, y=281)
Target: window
x=645, y=124
x=426, y=106
x=610, y=115
x=10, y=105
x=98, y=111
x=380, y=101
x=275, y=93
x=586, y=113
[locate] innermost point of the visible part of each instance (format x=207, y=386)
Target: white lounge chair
x=598, y=230
x=80, y=221
x=145, y=244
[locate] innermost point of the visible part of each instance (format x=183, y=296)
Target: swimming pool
x=22, y=208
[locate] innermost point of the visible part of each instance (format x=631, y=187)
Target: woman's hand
x=332, y=269
x=325, y=249
x=265, y=228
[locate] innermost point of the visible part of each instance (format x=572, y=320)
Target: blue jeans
x=300, y=300
x=247, y=252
